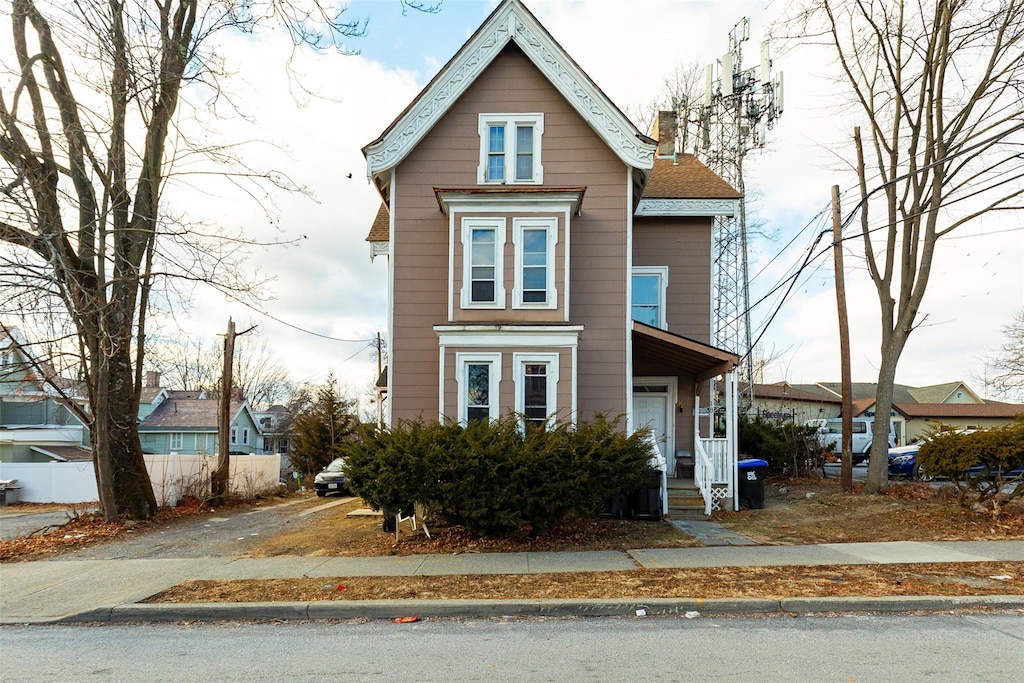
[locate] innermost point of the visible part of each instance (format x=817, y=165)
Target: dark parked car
x=903, y=463
x=330, y=479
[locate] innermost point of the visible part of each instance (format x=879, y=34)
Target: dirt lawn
x=812, y=511
x=796, y=513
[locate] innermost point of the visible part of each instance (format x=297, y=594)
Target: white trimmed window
x=483, y=248
x=245, y=436
x=535, y=240
x=510, y=149
x=177, y=441
x=536, y=382
x=477, y=376
x=234, y=436
x=650, y=292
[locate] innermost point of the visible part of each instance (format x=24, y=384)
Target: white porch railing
x=715, y=459
x=703, y=474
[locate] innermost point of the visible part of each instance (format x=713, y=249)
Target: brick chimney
x=236, y=394
x=665, y=133
x=152, y=379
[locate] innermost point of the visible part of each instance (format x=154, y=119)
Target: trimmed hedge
x=497, y=479
x=977, y=462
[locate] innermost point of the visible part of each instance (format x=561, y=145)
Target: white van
x=863, y=431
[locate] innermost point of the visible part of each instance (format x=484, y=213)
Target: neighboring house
x=186, y=423
x=274, y=429
x=544, y=255
x=915, y=410
x=36, y=423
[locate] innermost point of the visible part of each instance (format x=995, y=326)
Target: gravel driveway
x=218, y=534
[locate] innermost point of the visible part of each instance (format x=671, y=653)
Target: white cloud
x=327, y=283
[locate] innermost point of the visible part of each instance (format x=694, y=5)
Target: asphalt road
x=854, y=648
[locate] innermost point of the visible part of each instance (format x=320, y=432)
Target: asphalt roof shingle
x=380, y=230
x=687, y=179
x=185, y=413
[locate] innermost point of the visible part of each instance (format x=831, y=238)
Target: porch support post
x=732, y=438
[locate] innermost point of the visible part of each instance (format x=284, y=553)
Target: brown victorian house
x=545, y=256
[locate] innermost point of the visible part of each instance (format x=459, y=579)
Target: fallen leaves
x=952, y=579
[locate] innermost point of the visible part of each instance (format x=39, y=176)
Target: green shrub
x=788, y=448
x=497, y=479
x=977, y=462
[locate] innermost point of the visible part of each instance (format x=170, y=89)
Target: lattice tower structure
x=739, y=108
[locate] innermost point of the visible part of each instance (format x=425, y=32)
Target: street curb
x=390, y=609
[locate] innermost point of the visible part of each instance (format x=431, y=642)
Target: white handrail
x=703, y=473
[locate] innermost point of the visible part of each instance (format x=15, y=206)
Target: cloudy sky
x=326, y=300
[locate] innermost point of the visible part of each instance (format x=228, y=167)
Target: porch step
x=684, y=499
x=696, y=514
x=685, y=502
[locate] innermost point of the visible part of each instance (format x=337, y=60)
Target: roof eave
x=510, y=22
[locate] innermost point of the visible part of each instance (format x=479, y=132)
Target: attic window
x=510, y=149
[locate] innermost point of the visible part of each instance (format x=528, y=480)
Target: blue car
x=903, y=463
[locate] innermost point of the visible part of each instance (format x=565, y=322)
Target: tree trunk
x=878, y=466
x=122, y=478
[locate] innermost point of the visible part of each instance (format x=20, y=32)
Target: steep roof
x=190, y=413
x=510, y=22
x=380, y=230
x=686, y=178
x=938, y=393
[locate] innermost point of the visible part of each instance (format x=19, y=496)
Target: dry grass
x=807, y=512
x=332, y=534
x=717, y=582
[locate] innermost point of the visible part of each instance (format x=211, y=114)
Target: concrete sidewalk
x=102, y=590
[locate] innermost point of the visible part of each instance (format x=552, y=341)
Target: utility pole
x=846, y=475
x=219, y=476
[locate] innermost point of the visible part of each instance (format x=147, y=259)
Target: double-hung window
x=234, y=436
x=245, y=436
x=477, y=377
x=536, y=382
x=510, y=149
x=650, y=289
x=483, y=243
x=535, y=240
x=176, y=441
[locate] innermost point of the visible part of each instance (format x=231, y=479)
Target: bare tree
x=194, y=364
x=87, y=118
x=1007, y=364
x=937, y=86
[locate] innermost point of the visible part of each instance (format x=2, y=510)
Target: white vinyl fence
x=52, y=482
x=174, y=476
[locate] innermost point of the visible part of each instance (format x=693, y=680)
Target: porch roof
x=702, y=360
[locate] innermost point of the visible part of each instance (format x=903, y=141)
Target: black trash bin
x=612, y=506
x=752, y=473
x=645, y=502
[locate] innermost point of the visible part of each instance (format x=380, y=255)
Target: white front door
x=653, y=400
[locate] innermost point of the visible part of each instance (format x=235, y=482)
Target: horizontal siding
x=684, y=245
x=572, y=155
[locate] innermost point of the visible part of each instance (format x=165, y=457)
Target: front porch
x=700, y=467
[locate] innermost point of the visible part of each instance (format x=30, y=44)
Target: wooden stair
x=684, y=499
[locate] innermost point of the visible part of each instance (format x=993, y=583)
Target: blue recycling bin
x=751, y=475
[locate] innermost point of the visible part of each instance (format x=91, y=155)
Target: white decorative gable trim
x=379, y=249
x=688, y=207
x=510, y=22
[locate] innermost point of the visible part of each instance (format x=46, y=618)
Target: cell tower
x=739, y=108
